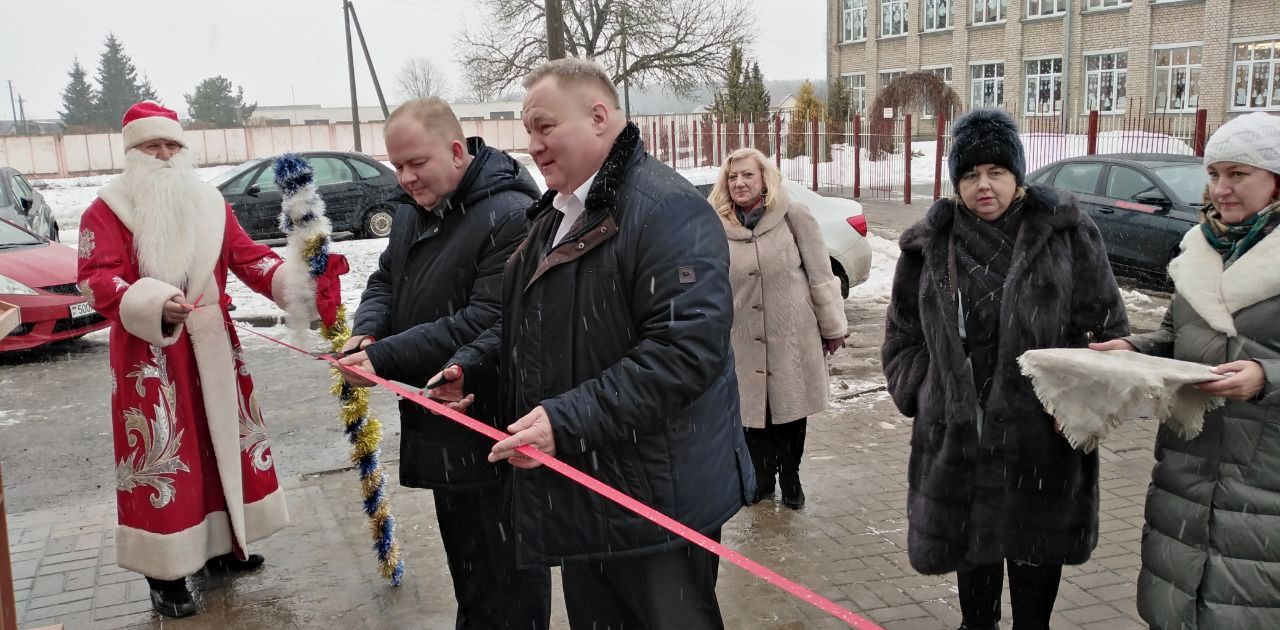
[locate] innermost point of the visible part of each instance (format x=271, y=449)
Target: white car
x=843, y=227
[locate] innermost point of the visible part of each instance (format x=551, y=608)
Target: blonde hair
x=572, y=70
x=435, y=115
x=773, y=192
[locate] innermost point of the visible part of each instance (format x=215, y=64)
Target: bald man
x=437, y=287
x=613, y=351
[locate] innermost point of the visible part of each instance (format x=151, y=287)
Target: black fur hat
x=985, y=136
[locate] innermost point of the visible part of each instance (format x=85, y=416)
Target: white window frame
x=1055, y=87
x=890, y=27
x=1104, y=5
x=925, y=113
x=1192, y=72
x=977, y=85
x=980, y=15
x=929, y=15
x=857, y=93
x=1117, y=73
x=1271, y=98
x=1057, y=8
x=850, y=12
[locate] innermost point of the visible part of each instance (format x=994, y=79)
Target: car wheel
x=377, y=223
x=844, y=278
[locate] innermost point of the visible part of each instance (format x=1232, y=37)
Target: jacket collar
x=773, y=217
x=1216, y=293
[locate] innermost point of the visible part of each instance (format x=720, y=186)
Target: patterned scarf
x=750, y=218
x=984, y=254
x=1233, y=240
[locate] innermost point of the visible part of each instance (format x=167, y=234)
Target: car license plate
x=81, y=310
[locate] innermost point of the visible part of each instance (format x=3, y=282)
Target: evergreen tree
x=808, y=108
x=757, y=93
x=118, y=85
x=214, y=103
x=730, y=100
x=839, y=106
x=146, y=92
x=78, y=100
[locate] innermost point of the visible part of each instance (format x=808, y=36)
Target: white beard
x=164, y=211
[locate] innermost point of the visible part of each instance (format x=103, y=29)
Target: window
x=331, y=171
x=237, y=187
x=366, y=170
x=1042, y=8
x=854, y=21
x=1177, y=79
x=945, y=75
x=986, y=85
x=1126, y=184
x=988, y=11
x=1043, y=87
x=857, y=86
x=893, y=17
x=937, y=14
x=1257, y=75
x=21, y=188
x=887, y=77
x=1107, y=4
x=1078, y=178
x=1104, y=83
x=266, y=180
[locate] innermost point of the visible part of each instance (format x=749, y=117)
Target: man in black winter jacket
x=614, y=355
x=437, y=287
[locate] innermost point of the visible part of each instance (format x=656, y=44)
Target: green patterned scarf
x=1233, y=240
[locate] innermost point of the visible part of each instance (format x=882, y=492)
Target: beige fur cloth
x=1089, y=392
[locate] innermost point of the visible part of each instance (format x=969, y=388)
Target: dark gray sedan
x=22, y=204
x=1142, y=202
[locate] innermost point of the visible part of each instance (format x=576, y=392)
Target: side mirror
x=252, y=190
x=26, y=204
x=1157, y=200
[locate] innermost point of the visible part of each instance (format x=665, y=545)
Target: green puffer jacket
x=1208, y=558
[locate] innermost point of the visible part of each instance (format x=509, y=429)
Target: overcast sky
x=286, y=51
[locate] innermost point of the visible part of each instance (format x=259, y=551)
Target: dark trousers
x=492, y=593
x=1032, y=592
x=670, y=590
x=776, y=451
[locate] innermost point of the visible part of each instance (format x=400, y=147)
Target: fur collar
x=1217, y=294
x=773, y=217
x=212, y=223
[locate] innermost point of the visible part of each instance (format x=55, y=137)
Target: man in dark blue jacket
x=614, y=355
x=437, y=287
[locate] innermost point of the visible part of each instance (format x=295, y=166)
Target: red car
x=39, y=277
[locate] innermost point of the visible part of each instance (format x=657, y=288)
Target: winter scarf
x=1233, y=240
x=983, y=255
x=750, y=218
x=1089, y=392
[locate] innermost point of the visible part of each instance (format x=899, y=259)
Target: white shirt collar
x=562, y=200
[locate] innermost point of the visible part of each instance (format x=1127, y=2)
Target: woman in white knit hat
x=1214, y=501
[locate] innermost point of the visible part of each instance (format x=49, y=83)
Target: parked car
x=357, y=192
x=20, y=203
x=39, y=277
x=1143, y=204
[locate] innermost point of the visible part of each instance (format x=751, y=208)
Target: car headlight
x=9, y=286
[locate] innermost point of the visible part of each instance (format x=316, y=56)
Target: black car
x=357, y=192
x=1142, y=202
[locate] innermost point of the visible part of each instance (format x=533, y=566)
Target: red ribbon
x=582, y=478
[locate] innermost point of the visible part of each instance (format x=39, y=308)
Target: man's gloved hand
x=329, y=289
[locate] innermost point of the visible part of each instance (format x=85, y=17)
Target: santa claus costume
x=195, y=476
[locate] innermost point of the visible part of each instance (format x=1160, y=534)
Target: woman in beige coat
x=787, y=313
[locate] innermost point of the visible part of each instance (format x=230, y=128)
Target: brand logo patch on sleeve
x=687, y=275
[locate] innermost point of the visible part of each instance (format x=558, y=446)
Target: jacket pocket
x=635, y=481
x=1264, y=464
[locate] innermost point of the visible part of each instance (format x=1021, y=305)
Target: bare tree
x=420, y=78
x=679, y=45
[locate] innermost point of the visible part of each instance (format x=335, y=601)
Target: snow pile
x=884, y=259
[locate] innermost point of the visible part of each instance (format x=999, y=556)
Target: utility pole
x=13, y=107
x=377, y=87
x=626, y=74
x=351, y=74
x=555, y=29
x=22, y=114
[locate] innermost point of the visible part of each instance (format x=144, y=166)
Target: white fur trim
x=151, y=128
x=828, y=306
x=142, y=310
x=1217, y=294
x=177, y=555
x=299, y=294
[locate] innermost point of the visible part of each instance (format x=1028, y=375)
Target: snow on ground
x=362, y=255
x=884, y=259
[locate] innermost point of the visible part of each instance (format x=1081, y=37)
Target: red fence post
x=777, y=141
x=1092, y=138
x=716, y=142
x=1202, y=131
x=695, y=139
x=906, y=158
x=673, y=143
x=813, y=154
x=941, y=121
x=858, y=155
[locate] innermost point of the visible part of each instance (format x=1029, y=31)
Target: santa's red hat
x=148, y=121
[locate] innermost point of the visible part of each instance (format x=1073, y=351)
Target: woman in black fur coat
x=1001, y=269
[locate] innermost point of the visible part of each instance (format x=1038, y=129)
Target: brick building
x=1152, y=57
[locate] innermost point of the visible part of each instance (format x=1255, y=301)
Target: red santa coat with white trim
x=194, y=473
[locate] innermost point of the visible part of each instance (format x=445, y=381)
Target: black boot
x=171, y=598
x=790, y=440
x=760, y=447
x=229, y=563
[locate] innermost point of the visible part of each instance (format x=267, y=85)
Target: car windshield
x=1187, y=181
x=227, y=176
x=11, y=236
